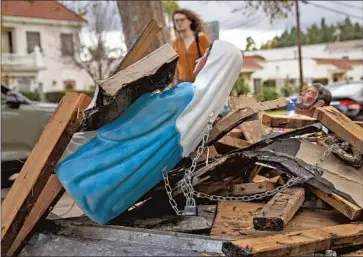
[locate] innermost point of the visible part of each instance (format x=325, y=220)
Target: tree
x=250, y=44
x=313, y=34
x=272, y=8
x=316, y=34
x=169, y=8
x=91, y=51
x=347, y=29
x=136, y=15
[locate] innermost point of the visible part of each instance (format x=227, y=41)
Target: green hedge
x=34, y=96
x=268, y=94
x=241, y=87
x=323, y=81
x=56, y=96
x=269, y=83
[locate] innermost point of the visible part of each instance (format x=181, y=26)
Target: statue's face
x=308, y=98
x=308, y=101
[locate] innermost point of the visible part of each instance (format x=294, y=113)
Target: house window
x=33, y=40
x=69, y=84
x=67, y=44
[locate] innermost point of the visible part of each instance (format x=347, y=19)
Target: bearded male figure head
x=311, y=98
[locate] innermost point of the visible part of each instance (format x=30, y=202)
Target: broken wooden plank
x=280, y=210
x=146, y=66
x=280, y=121
x=359, y=123
x=254, y=173
x=253, y=130
x=275, y=104
x=341, y=125
x=229, y=122
x=226, y=124
x=297, y=243
x=153, y=72
x=253, y=188
x=140, y=47
x=276, y=179
x=40, y=165
x=236, y=133
x=52, y=191
x=350, y=210
x=234, y=220
x=227, y=144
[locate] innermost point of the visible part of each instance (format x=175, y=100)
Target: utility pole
x=298, y=39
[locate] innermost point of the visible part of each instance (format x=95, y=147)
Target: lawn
x=277, y=112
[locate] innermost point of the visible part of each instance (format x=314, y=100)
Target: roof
x=252, y=62
x=39, y=9
x=343, y=64
x=344, y=45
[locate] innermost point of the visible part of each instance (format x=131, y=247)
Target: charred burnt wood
x=108, y=108
x=298, y=168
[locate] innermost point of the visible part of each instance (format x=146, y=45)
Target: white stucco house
x=330, y=62
x=37, y=40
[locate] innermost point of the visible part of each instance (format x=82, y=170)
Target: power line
x=332, y=10
x=245, y=24
x=346, y=5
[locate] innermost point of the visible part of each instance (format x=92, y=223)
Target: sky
x=236, y=26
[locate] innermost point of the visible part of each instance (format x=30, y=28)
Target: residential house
x=325, y=63
x=38, y=43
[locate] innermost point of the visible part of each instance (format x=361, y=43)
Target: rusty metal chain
x=189, y=192
x=326, y=153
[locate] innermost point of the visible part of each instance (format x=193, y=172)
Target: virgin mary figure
x=106, y=171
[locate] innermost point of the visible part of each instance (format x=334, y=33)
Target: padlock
x=190, y=211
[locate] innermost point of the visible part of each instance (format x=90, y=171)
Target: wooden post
x=253, y=188
x=298, y=40
x=297, y=243
x=39, y=166
x=350, y=210
x=50, y=195
x=235, y=118
x=341, y=125
x=280, y=210
x=278, y=121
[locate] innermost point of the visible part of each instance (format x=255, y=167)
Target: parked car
x=348, y=98
x=22, y=122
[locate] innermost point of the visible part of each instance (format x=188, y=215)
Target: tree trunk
x=136, y=15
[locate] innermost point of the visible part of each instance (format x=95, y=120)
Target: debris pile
x=262, y=190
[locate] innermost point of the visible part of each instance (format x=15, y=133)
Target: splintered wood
x=141, y=45
x=297, y=243
x=51, y=193
x=37, y=169
x=236, y=117
x=228, y=143
x=144, y=67
x=279, y=210
x=253, y=188
x=234, y=220
x=277, y=121
x=350, y=210
x=341, y=125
